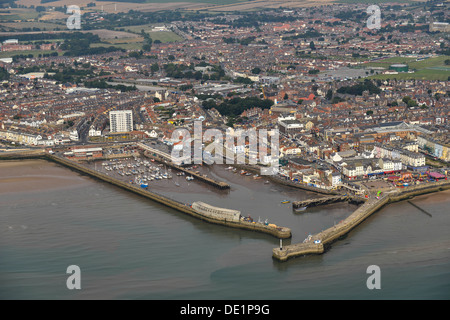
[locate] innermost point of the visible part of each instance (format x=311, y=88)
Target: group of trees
x=102, y=84
x=359, y=88
x=181, y=71
x=4, y=75
x=68, y=74
x=235, y=106
x=244, y=41
x=82, y=46
x=307, y=35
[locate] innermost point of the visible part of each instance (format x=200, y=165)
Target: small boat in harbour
x=285, y=201
x=300, y=209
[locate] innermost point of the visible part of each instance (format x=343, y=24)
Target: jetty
x=320, y=242
x=321, y=201
x=166, y=159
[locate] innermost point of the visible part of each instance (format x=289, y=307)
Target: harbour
x=130, y=248
x=277, y=231
x=318, y=243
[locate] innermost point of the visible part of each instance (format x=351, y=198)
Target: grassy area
x=385, y=63
x=122, y=43
x=18, y=14
x=436, y=75
x=35, y=53
x=18, y=26
x=428, y=69
x=165, y=36
x=429, y=63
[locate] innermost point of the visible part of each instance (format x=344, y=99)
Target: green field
x=165, y=36
x=41, y=25
x=35, y=53
x=385, y=63
x=428, y=69
x=18, y=14
x=123, y=44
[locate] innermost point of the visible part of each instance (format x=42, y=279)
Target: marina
x=241, y=223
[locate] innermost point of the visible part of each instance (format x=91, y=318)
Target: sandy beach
x=36, y=175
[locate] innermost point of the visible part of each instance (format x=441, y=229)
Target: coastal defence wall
x=31, y=154
x=318, y=243
x=279, y=232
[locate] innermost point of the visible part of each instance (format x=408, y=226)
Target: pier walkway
x=319, y=201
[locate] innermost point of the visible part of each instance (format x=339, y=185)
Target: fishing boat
x=300, y=209
x=190, y=178
x=285, y=201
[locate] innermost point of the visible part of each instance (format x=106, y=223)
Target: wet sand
x=36, y=175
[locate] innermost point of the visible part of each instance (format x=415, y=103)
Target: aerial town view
x=224, y=150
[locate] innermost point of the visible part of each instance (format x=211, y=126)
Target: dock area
x=165, y=158
x=319, y=201
x=318, y=243
x=276, y=231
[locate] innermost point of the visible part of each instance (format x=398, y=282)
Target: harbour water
x=128, y=247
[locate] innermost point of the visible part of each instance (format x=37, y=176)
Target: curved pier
x=317, y=244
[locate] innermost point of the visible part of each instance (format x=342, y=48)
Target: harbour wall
x=279, y=232
x=31, y=154
x=319, y=243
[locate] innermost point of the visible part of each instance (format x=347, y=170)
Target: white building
x=121, y=121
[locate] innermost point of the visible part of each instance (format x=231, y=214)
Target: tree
x=256, y=70
x=312, y=46
x=154, y=68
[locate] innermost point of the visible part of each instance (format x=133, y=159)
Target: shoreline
x=323, y=239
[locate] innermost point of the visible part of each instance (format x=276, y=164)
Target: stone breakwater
x=318, y=243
